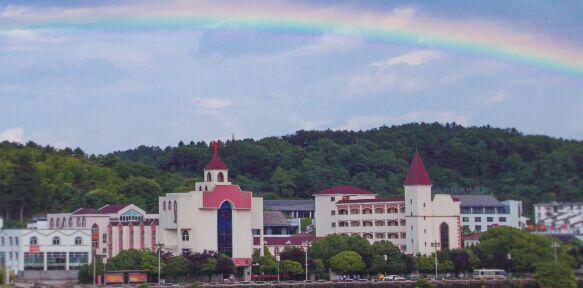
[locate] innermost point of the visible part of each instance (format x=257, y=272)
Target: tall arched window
x=208, y=177
x=225, y=229
x=2, y=242
x=83, y=221
x=64, y=223
x=221, y=177
x=78, y=221
x=164, y=206
x=10, y=241
x=58, y=223
x=52, y=223
x=185, y=235
x=70, y=221
x=175, y=211
x=444, y=233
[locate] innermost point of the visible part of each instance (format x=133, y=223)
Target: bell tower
x=215, y=172
x=418, y=205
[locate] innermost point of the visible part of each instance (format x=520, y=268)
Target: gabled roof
x=112, y=208
x=274, y=218
x=344, y=189
x=478, y=200
x=417, y=175
x=85, y=211
x=216, y=163
x=376, y=200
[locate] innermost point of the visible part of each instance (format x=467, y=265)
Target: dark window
x=478, y=228
x=208, y=177
x=490, y=219
x=444, y=232
x=333, y=212
x=332, y=199
x=478, y=219
x=466, y=219
x=502, y=219
x=175, y=211
x=225, y=229
x=221, y=177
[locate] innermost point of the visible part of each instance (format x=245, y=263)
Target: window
x=367, y=236
x=77, y=259
x=444, y=233
x=16, y=241
x=332, y=212
x=465, y=210
x=33, y=240
x=78, y=222
x=185, y=235
x=379, y=223
x=392, y=223
x=403, y=235
x=332, y=199
x=333, y=224
x=355, y=223
x=342, y=212
x=402, y=222
x=354, y=211
x=56, y=241
x=490, y=219
x=343, y=224
x=104, y=237
x=490, y=210
x=392, y=210
x=70, y=221
x=169, y=205
x=221, y=177
x=380, y=235
x=78, y=241
x=52, y=223
x=208, y=177
x=367, y=223
x=225, y=229
x=478, y=228
x=2, y=242
x=393, y=236
x=466, y=219
x=478, y=219
x=164, y=206
x=379, y=210
x=10, y=241
x=33, y=261
x=83, y=221
x=94, y=229
x=175, y=211
x=366, y=211
x=58, y=222
x=502, y=219
x=56, y=260
x=402, y=209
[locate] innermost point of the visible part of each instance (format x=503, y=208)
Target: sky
x=113, y=75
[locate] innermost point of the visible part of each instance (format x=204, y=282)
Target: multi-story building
x=219, y=216
x=415, y=224
x=113, y=228
x=275, y=224
x=481, y=212
x=44, y=249
x=560, y=217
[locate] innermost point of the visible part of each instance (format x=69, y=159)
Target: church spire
x=417, y=175
x=215, y=163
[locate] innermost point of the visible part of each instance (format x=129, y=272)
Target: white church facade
x=419, y=223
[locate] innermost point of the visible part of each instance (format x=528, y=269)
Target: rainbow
x=398, y=26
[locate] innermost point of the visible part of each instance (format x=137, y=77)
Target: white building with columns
x=416, y=224
x=218, y=216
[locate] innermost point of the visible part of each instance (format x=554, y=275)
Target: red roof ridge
x=344, y=189
x=417, y=175
x=216, y=163
x=375, y=200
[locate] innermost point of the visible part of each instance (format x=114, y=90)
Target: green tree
x=85, y=275
x=209, y=267
x=293, y=267
x=347, y=262
x=150, y=263
x=177, y=266
x=142, y=192
x=395, y=263
x=549, y=275
x=425, y=264
x=130, y=259
x=225, y=266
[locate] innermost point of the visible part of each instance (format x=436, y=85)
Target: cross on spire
x=216, y=147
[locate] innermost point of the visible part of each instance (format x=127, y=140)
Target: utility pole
x=277, y=258
x=94, y=276
x=435, y=244
x=159, y=246
x=555, y=246
x=306, y=245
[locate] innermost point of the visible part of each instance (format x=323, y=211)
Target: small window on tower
x=208, y=177
x=221, y=177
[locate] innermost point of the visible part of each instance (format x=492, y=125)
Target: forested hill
x=502, y=162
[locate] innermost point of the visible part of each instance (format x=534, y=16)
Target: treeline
x=503, y=162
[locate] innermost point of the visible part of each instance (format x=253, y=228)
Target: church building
x=419, y=223
x=218, y=216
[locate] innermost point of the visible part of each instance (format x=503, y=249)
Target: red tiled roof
x=344, y=189
x=216, y=163
x=285, y=240
x=417, y=175
x=376, y=200
x=147, y=222
x=113, y=208
x=85, y=211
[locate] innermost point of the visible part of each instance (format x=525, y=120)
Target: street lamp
x=509, y=263
x=277, y=258
x=306, y=245
x=159, y=247
x=555, y=246
x=435, y=244
x=94, y=258
x=386, y=258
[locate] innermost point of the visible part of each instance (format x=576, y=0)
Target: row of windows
x=488, y=219
x=381, y=235
x=34, y=241
x=368, y=223
x=81, y=222
x=483, y=210
x=11, y=241
x=368, y=211
x=169, y=205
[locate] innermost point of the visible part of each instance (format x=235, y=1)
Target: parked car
x=394, y=278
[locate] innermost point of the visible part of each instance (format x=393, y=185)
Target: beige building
x=219, y=216
x=419, y=223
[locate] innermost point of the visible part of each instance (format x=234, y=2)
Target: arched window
x=78, y=222
x=95, y=229
x=64, y=223
x=354, y=211
x=169, y=205
x=206, y=188
x=185, y=235
x=444, y=233
x=343, y=224
x=379, y=223
x=200, y=188
x=392, y=210
x=355, y=223
x=367, y=236
x=403, y=222
x=52, y=223
x=403, y=209
x=10, y=241
x=393, y=236
x=380, y=235
x=342, y=212
x=56, y=241
x=208, y=177
x=70, y=221
x=366, y=223
x=163, y=205
x=58, y=223
x=16, y=240
x=2, y=242
x=175, y=212
x=78, y=241
x=221, y=177
x=379, y=210
x=366, y=211
x=225, y=229
x=83, y=221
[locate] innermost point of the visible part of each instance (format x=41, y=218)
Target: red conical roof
x=417, y=175
x=216, y=163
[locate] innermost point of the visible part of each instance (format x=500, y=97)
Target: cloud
x=308, y=124
x=498, y=97
x=12, y=135
x=413, y=59
x=212, y=103
x=372, y=121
